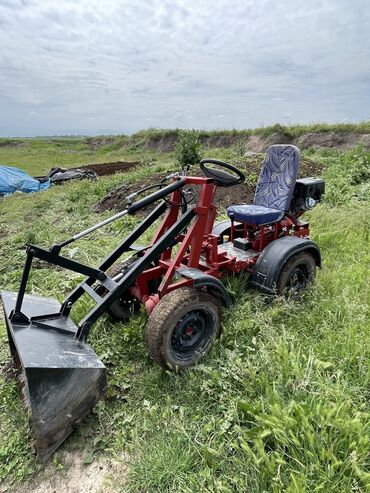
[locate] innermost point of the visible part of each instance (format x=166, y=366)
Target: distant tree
x=187, y=150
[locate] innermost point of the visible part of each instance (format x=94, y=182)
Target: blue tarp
x=13, y=179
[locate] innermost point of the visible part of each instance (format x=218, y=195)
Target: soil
x=104, y=169
x=166, y=143
x=255, y=143
x=320, y=140
x=222, y=141
x=95, y=142
x=116, y=198
x=330, y=140
x=75, y=476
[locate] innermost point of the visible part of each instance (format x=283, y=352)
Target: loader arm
x=60, y=375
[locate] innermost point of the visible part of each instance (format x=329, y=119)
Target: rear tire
x=296, y=275
x=182, y=328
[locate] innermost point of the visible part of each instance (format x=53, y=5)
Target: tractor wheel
x=182, y=328
x=297, y=273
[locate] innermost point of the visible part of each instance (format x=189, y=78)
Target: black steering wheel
x=221, y=178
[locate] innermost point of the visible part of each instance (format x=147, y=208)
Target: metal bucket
x=61, y=377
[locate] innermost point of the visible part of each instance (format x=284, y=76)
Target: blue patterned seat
x=274, y=188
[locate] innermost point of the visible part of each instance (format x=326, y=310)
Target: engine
x=307, y=193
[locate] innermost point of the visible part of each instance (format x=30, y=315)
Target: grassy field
x=282, y=401
x=37, y=156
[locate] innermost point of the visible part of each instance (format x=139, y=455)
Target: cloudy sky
x=117, y=66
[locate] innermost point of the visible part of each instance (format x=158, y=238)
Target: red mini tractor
x=177, y=277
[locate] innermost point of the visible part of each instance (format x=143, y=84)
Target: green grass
x=282, y=401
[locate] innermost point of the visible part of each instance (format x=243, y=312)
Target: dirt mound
x=321, y=140
x=259, y=142
x=330, y=140
x=97, y=142
x=221, y=141
x=162, y=143
x=116, y=198
x=104, y=169
x=167, y=142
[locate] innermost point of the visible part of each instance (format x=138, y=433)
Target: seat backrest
x=278, y=176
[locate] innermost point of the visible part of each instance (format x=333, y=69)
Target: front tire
x=182, y=328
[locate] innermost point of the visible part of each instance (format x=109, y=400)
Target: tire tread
x=158, y=321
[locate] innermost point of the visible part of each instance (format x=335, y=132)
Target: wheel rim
x=297, y=279
x=191, y=334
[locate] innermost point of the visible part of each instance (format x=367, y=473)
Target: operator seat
x=274, y=189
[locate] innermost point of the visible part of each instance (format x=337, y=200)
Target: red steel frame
x=199, y=248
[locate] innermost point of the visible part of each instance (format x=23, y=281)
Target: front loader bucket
x=61, y=378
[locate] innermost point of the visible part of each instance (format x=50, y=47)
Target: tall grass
x=347, y=176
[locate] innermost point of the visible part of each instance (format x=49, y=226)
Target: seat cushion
x=254, y=214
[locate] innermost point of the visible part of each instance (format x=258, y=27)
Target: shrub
x=187, y=148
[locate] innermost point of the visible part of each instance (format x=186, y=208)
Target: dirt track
x=76, y=477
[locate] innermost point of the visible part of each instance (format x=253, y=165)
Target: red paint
x=150, y=302
x=198, y=247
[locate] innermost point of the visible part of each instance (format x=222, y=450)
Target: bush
x=347, y=177
x=187, y=148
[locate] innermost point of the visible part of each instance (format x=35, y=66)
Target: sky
x=118, y=66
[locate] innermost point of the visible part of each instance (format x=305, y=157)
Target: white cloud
x=89, y=66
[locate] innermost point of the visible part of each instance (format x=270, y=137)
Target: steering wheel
x=221, y=178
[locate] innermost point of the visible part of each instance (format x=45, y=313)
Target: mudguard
x=273, y=258
x=213, y=285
